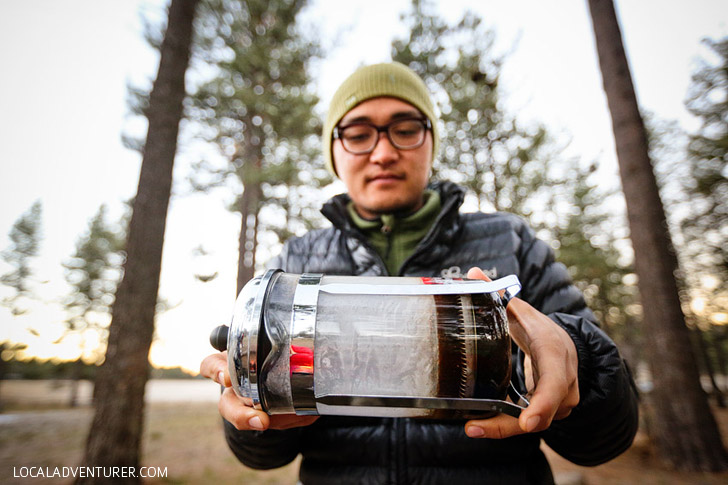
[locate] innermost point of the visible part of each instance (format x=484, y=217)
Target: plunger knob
x=219, y=336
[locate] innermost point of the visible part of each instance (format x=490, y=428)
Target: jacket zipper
x=429, y=237
x=387, y=231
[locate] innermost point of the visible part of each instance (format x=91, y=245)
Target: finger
x=569, y=403
x=498, y=427
x=548, y=398
x=552, y=361
x=476, y=273
x=237, y=411
x=287, y=421
x=215, y=367
x=211, y=364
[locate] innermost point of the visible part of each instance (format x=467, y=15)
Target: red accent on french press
x=301, y=360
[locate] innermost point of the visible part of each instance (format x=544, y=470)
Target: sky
x=66, y=65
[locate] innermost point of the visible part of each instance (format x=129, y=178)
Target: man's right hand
x=239, y=411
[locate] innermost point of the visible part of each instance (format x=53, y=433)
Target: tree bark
x=686, y=434
x=115, y=436
x=248, y=241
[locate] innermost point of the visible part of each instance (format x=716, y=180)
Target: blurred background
x=527, y=130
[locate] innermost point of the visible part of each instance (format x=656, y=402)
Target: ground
x=185, y=437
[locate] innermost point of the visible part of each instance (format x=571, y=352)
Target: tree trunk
x=686, y=434
x=115, y=436
x=249, y=204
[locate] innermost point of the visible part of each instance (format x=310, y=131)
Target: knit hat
x=390, y=79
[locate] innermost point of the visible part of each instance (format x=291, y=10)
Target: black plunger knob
x=218, y=337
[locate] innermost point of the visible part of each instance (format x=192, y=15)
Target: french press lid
x=242, y=339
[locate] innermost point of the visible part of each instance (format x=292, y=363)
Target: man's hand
x=239, y=411
x=551, y=368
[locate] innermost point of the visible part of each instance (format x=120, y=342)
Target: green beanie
x=390, y=79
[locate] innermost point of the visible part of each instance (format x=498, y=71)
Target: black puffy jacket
x=408, y=451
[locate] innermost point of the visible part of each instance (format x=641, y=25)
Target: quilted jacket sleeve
x=604, y=422
x=263, y=450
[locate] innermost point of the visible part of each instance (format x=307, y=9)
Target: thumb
x=532, y=418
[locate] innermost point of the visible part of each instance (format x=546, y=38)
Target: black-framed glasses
x=361, y=137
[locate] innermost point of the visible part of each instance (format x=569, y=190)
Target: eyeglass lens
x=362, y=138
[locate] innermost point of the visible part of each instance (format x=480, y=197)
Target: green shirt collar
x=395, y=237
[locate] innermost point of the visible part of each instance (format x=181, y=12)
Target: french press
x=313, y=344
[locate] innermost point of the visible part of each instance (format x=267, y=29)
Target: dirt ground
x=185, y=437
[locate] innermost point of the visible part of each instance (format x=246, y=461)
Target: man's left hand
x=551, y=369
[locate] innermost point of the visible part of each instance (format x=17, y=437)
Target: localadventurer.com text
x=89, y=472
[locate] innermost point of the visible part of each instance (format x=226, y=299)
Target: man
x=380, y=138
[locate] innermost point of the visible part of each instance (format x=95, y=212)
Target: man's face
x=388, y=179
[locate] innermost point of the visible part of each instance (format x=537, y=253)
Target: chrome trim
x=510, y=284
x=511, y=289
x=303, y=334
x=243, y=337
x=460, y=404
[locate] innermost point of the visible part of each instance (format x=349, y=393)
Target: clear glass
x=376, y=336
x=360, y=138
x=446, y=346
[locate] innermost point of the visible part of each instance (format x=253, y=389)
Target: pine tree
x=93, y=272
x=504, y=164
x=690, y=169
x=511, y=168
x=115, y=436
x=258, y=107
x=587, y=233
x=705, y=225
x=25, y=236
x=685, y=431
